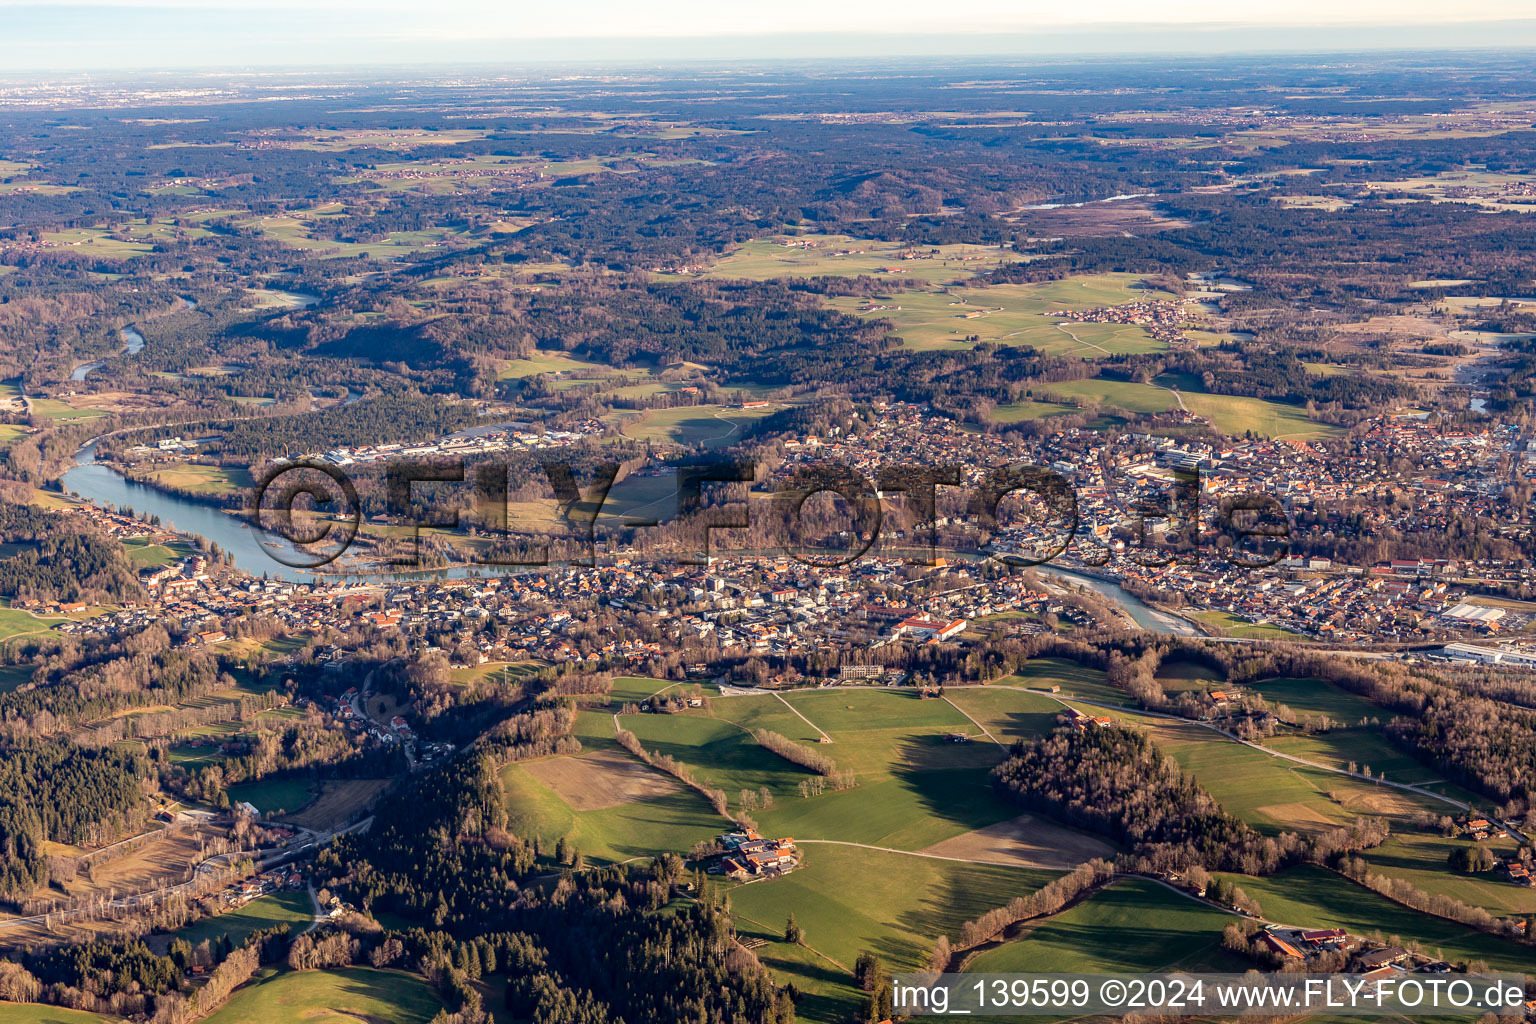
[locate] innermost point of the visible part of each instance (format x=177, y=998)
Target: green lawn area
x=12, y=676
x=1008, y=714
x=847, y=900
x=671, y=823
x=1133, y=925
x=766, y=712
x=1018, y=412
x=16, y=622
x=202, y=479
x=828, y=994
x=1366, y=748
x=145, y=554
x=343, y=996
x=1231, y=414
x=723, y=755
x=543, y=361
x=841, y=256
x=916, y=788
x=1315, y=898
x=39, y=1013
x=270, y=796
x=1271, y=794
x=97, y=242
x=1181, y=675
x=695, y=424
x=1231, y=625
x=291, y=908
x=1317, y=698
x=1013, y=314
x=62, y=412
x=1420, y=857
x=1075, y=680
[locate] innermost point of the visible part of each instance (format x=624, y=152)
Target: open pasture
x=344, y=996
x=841, y=256
x=669, y=823
x=1313, y=897
x=1008, y=714
x=1421, y=858
x=1014, y=314
x=1269, y=793
x=1028, y=841
x=847, y=899
x=708, y=425
x=599, y=780
x=1232, y=414
x=293, y=909
x=1134, y=924
x=1075, y=680
x=42, y=1013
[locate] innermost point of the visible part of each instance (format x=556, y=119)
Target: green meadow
x=841, y=256
x=847, y=900
x=343, y=996
x=671, y=823
x=708, y=425
x=1232, y=414
x=1134, y=924
x=1313, y=897
x=1420, y=858
x=272, y=795
x=293, y=909
x=1014, y=314
x=40, y=1013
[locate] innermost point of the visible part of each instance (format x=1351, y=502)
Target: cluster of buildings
x=1162, y=319
x=266, y=883
x=1370, y=959
x=1347, y=490
x=748, y=856
x=515, y=438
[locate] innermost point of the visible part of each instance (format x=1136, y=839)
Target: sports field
x=270, y=796
x=1135, y=924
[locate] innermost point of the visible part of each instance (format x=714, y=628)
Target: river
x=132, y=342
x=1145, y=615
x=101, y=484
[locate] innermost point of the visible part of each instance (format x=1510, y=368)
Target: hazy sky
x=104, y=34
